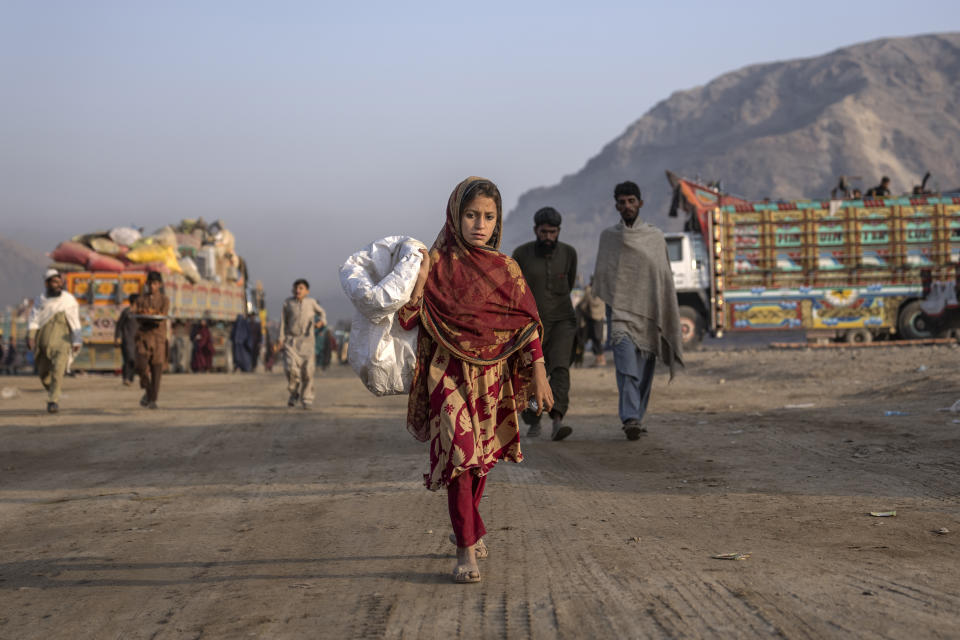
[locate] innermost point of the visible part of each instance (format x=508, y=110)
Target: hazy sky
x=313, y=128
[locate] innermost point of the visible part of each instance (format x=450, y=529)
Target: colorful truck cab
x=846, y=269
x=103, y=295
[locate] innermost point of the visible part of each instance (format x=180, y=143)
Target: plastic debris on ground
x=9, y=392
x=883, y=514
x=731, y=556
x=895, y=413
x=942, y=531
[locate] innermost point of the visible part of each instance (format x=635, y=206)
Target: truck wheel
x=858, y=336
x=913, y=324
x=691, y=328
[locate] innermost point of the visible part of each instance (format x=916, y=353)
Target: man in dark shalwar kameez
x=125, y=333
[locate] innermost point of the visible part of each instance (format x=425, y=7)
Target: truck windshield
x=675, y=249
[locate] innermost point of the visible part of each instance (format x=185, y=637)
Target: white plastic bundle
x=124, y=235
x=379, y=279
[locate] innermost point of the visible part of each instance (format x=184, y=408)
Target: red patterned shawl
x=476, y=302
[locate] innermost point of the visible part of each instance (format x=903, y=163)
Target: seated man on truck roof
x=882, y=190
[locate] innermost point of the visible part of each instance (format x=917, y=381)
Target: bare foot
x=466, y=570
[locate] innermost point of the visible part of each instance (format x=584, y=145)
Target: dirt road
x=226, y=515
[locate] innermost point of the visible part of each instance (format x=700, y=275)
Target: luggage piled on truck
x=193, y=248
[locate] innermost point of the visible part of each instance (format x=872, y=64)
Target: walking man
x=125, y=333
x=550, y=269
x=297, y=342
x=151, y=310
x=633, y=277
x=53, y=333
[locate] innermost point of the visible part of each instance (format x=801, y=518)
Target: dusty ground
x=226, y=515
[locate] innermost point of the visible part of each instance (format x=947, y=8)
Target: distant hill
x=780, y=130
x=21, y=272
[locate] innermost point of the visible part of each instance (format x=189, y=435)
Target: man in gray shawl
x=633, y=277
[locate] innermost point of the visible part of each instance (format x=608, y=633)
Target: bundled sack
x=189, y=269
x=187, y=244
x=86, y=238
x=145, y=253
x=106, y=246
x=100, y=262
x=379, y=279
x=66, y=267
x=206, y=261
x=165, y=236
x=125, y=236
x=71, y=252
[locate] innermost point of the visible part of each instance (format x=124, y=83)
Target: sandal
x=479, y=548
x=465, y=575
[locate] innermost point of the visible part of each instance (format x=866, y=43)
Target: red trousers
x=463, y=498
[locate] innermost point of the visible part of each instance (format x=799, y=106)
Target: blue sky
x=313, y=128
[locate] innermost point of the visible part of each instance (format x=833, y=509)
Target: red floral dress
x=473, y=409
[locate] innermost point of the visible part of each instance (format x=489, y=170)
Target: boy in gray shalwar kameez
x=297, y=342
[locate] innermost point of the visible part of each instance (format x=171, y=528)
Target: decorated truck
x=849, y=270
x=202, y=273
x=103, y=295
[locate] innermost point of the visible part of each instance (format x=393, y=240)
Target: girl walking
x=478, y=360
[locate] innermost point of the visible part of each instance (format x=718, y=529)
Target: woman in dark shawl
x=240, y=339
x=202, y=359
x=478, y=360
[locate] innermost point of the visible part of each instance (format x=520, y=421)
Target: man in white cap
x=53, y=333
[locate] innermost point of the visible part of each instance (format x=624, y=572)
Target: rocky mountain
x=779, y=130
x=21, y=272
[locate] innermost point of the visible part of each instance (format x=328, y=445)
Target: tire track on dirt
x=233, y=514
x=668, y=609
x=913, y=602
x=142, y=512
x=888, y=463
x=651, y=596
